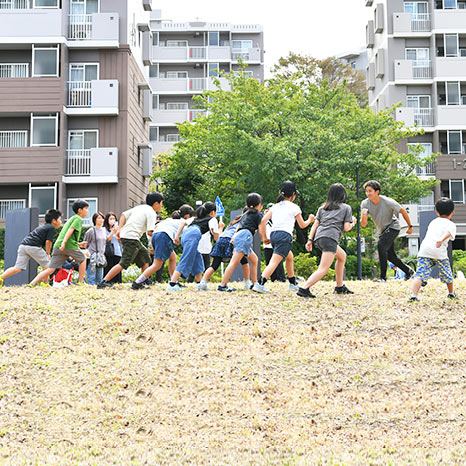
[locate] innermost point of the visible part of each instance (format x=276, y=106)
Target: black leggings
x=386, y=248
x=218, y=260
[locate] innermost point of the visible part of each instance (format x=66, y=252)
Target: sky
x=319, y=28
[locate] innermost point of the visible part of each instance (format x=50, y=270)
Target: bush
x=459, y=254
x=460, y=265
x=305, y=265
x=352, y=267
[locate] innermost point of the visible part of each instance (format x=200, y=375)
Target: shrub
x=352, y=267
x=459, y=254
x=305, y=265
x=460, y=265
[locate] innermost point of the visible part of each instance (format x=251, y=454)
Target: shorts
x=222, y=248
x=191, y=261
x=327, y=244
x=133, y=251
x=281, y=242
x=426, y=264
x=30, y=252
x=243, y=242
x=163, y=246
x=60, y=257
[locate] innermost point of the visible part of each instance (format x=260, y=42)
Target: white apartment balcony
x=451, y=117
x=409, y=24
x=98, y=30
x=190, y=54
x=450, y=68
x=11, y=204
x=187, y=85
x=246, y=55
x=18, y=26
x=410, y=116
x=427, y=171
x=187, y=26
x=13, y=139
x=409, y=71
x=453, y=20
x=173, y=117
x=99, y=98
x=14, y=70
x=98, y=165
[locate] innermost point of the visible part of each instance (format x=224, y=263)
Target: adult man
x=384, y=212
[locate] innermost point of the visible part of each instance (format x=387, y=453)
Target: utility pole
x=359, y=224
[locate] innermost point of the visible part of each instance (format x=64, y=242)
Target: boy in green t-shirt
x=67, y=245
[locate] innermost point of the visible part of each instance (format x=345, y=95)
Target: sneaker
x=305, y=293
x=247, y=285
x=413, y=299
x=410, y=274
x=138, y=286
x=342, y=290
x=452, y=296
x=424, y=283
x=225, y=288
x=175, y=287
x=380, y=280
x=104, y=284
x=292, y=287
x=149, y=282
x=202, y=286
x=258, y=288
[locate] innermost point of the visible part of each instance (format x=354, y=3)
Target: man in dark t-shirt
x=32, y=247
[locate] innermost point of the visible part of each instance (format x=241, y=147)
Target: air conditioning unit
x=463, y=100
x=462, y=52
x=461, y=5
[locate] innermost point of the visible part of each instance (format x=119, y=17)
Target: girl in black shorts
x=332, y=220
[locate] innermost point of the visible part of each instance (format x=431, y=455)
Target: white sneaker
x=173, y=288
x=260, y=288
x=247, y=284
x=292, y=287
x=202, y=286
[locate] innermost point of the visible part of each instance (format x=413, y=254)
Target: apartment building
x=357, y=59
x=75, y=104
x=417, y=57
x=186, y=58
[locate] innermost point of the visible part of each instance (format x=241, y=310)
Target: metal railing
x=14, y=70
x=13, y=139
x=14, y=204
x=242, y=55
x=15, y=4
x=194, y=113
x=78, y=162
x=422, y=69
x=420, y=22
x=197, y=84
x=80, y=27
x=427, y=170
x=425, y=208
x=197, y=53
x=79, y=94
x=424, y=116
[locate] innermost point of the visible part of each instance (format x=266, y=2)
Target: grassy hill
x=121, y=377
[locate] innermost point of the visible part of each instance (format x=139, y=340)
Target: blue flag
x=219, y=205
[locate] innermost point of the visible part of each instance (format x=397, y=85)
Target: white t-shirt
x=139, y=219
x=284, y=216
x=205, y=244
x=268, y=228
x=169, y=226
x=437, y=228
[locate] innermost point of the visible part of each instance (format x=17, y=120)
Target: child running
x=332, y=220
x=162, y=243
x=434, y=249
x=284, y=214
x=191, y=260
x=243, y=238
x=223, y=249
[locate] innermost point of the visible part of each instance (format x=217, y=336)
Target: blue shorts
x=163, y=246
x=281, y=242
x=425, y=266
x=243, y=242
x=191, y=260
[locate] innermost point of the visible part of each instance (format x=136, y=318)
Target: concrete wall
x=37, y=23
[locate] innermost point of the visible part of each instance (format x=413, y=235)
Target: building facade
x=357, y=59
x=417, y=57
x=74, y=104
x=186, y=59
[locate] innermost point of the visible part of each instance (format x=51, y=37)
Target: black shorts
x=327, y=245
x=281, y=242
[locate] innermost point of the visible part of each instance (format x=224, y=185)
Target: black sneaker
x=138, y=286
x=225, y=288
x=424, y=283
x=409, y=275
x=104, y=284
x=380, y=280
x=148, y=282
x=452, y=296
x=342, y=290
x=413, y=299
x=305, y=293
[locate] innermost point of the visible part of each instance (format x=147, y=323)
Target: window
x=449, y=4
x=154, y=71
x=451, y=45
x=453, y=93
x=176, y=106
x=214, y=39
x=92, y=209
x=155, y=38
x=44, y=61
x=174, y=74
x=214, y=70
x=176, y=43
x=44, y=130
x=153, y=133
x=79, y=140
x=84, y=72
x=46, y=4
x=84, y=7
x=172, y=137
x=42, y=197
x=455, y=141
x=417, y=54
x=457, y=191
x=241, y=44
x=416, y=8
x=418, y=101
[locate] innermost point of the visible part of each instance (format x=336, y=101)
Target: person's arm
x=112, y=232
x=215, y=231
x=120, y=225
x=311, y=236
x=350, y=225
x=262, y=225
x=407, y=220
x=364, y=217
x=304, y=223
x=446, y=235
x=48, y=247
x=183, y=223
x=66, y=238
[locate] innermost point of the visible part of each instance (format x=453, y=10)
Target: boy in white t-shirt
x=434, y=248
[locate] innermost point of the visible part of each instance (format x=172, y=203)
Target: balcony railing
x=420, y=22
x=79, y=93
x=197, y=53
x=422, y=69
x=424, y=116
x=80, y=27
x=427, y=170
x=15, y=4
x=78, y=162
x=14, y=70
x=197, y=84
x=194, y=113
x=13, y=138
x=6, y=205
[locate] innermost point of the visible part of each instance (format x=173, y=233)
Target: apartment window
x=449, y=4
x=214, y=70
x=155, y=38
x=155, y=101
x=172, y=137
x=153, y=133
x=44, y=130
x=176, y=74
x=84, y=72
x=84, y=7
x=455, y=142
x=80, y=140
x=45, y=61
x=451, y=45
x=154, y=71
x=42, y=197
x=214, y=39
x=241, y=44
x=417, y=54
x=416, y=8
x=426, y=146
x=453, y=93
x=46, y=4
x=418, y=101
x=93, y=204
x=176, y=43
x=457, y=191
x=176, y=106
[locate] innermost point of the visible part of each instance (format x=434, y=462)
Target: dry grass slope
x=119, y=377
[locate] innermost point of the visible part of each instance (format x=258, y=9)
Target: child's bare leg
x=235, y=260
x=208, y=274
x=175, y=277
x=82, y=271
x=324, y=266
x=198, y=277
x=156, y=265
x=340, y=266
x=172, y=263
x=113, y=272
x=45, y=274
x=273, y=264
x=450, y=287
x=417, y=283
x=9, y=272
x=289, y=264
x=254, y=261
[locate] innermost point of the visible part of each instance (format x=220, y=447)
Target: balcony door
x=451, y=45
x=418, y=54
x=81, y=75
x=84, y=7
x=80, y=143
x=416, y=8
x=418, y=101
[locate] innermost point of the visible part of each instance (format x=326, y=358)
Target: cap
x=270, y=204
x=288, y=188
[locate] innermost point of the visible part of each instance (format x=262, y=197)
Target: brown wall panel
x=451, y=167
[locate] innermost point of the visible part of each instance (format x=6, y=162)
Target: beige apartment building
x=417, y=57
x=75, y=104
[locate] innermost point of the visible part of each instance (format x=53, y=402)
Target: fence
x=14, y=70
x=78, y=162
x=13, y=138
x=79, y=93
x=80, y=27
x=11, y=205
